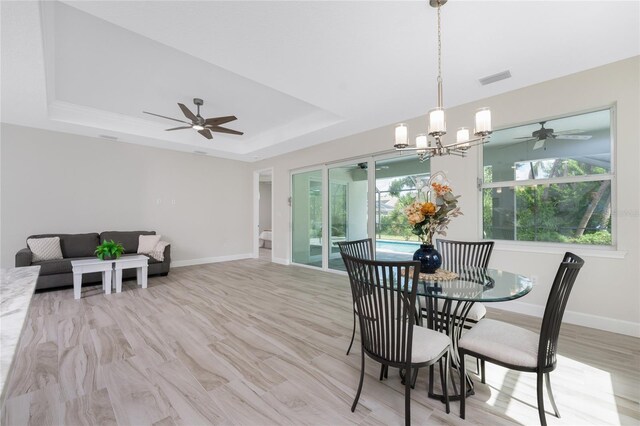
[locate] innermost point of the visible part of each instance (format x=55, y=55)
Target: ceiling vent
x=200, y=152
x=495, y=77
x=111, y=138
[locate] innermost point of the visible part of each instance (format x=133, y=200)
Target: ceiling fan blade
x=206, y=133
x=224, y=130
x=565, y=132
x=527, y=139
x=187, y=113
x=178, y=128
x=214, y=121
x=168, y=118
x=574, y=137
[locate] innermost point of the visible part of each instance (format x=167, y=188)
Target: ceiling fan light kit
x=204, y=126
x=424, y=147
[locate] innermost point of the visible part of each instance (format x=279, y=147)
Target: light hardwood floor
x=255, y=343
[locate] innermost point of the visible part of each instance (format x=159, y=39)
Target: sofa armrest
x=23, y=258
x=166, y=264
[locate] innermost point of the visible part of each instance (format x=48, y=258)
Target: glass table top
x=478, y=285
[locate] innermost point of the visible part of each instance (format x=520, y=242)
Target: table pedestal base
x=451, y=321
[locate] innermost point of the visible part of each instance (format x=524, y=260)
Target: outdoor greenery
x=578, y=213
x=575, y=213
x=394, y=225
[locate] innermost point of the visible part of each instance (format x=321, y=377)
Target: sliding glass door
x=347, y=208
x=306, y=216
x=396, y=183
x=353, y=201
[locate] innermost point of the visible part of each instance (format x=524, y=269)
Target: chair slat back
x=554, y=310
x=385, y=301
x=362, y=249
x=457, y=254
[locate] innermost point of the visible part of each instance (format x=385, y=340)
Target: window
x=550, y=181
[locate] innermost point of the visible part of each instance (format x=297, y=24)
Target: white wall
x=264, y=222
x=607, y=294
x=61, y=183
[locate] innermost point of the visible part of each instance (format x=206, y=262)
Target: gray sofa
x=58, y=273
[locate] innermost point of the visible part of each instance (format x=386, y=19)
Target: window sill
x=584, y=251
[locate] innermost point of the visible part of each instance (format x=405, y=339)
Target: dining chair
x=362, y=249
x=385, y=299
x=458, y=254
x=520, y=349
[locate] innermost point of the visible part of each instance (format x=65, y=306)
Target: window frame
x=540, y=246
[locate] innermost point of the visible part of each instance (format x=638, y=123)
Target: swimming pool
x=397, y=246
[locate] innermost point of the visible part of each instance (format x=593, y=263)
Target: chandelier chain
x=439, y=47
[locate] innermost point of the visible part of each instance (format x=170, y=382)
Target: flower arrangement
x=433, y=215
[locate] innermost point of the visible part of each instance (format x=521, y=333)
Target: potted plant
x=109, y=250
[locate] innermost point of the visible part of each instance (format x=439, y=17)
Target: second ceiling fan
x=204, y=126
x=543, y=134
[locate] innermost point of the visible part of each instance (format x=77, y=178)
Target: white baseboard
x=628, y=328
x=280, y=261
x=202, y=261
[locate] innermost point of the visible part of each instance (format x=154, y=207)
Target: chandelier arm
x=469, y=143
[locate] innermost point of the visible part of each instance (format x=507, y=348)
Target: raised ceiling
x=295, y=73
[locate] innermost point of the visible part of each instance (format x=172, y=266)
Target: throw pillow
x=45, y=248
x=146, y=243
x=158, y=251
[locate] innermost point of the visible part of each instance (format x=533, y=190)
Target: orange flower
x=428, y=209
x=440, y=189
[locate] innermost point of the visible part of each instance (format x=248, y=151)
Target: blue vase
x=429, y=258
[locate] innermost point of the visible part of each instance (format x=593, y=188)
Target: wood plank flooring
x=254, y=343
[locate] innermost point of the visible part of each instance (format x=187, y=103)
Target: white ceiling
x=295, y=73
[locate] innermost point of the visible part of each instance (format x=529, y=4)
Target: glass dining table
x=448, y=302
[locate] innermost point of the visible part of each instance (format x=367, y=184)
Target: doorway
x=263, y=238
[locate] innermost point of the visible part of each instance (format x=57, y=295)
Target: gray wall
x=57, y=182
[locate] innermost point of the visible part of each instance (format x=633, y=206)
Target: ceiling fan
x=542, y=134
x=204, y=126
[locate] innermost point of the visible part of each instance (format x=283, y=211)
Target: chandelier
x=427, y=148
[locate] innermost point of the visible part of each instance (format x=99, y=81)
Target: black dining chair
x=386, y=303
x=519, y=349
x=458, y=254
x=362, y=249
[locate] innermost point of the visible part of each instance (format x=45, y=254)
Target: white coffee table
x=85, y=266
x=140, y=262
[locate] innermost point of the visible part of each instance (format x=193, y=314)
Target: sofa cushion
x=147, y=243
x=128, y=239
x=51, y=267
x=75, y=245
x=45, y=248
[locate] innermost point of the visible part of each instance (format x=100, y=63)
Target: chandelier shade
x=437, y=123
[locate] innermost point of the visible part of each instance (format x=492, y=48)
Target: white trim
x=612, y=325
x=548, y=181
x=559, y=248
x=280, y=261
x=215, y=259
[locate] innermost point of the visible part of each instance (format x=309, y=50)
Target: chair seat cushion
x=427, y=344
x=502, y=342
x=476, y=313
